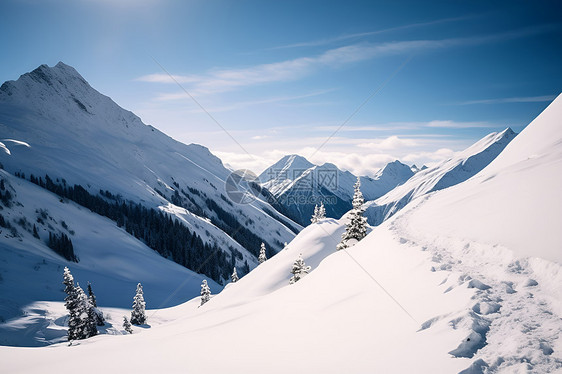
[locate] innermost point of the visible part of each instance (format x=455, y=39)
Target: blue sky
x=408, y=80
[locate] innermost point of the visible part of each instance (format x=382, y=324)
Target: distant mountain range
x=298, y=185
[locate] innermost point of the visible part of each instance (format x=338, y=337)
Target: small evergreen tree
x=205, y=292
x=91, y=296
x=321, y=212
x=98, y=314
x=35, y=233
x=81, y=322
x=72, y=303
x=234, y=276
x=138, y=315
x=314, y=218
x=299, y=270
x=356, y=228
x=88, y=315
x=127, y=325
x=262, y=258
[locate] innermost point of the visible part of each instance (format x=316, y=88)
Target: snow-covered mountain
x=109, y=258
x=462, y=280
x=455, y=170
x=61, y=134
x=298, y=185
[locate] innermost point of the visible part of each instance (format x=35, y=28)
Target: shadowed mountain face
x=298, y=185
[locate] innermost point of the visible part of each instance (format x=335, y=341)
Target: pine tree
x=138, y=316
x=314, y=218
x=356, y=228
x=127, y=325
x=91, y=296
x=299, y=270
x=81, y=321
x=98, y=314
x=88, y=315
x=262, y=258
x=321, y=212
x=205, y=292
x=72, y=303
x=234, y=276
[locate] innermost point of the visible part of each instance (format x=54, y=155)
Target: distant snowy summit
x=448, y=173
x=298, y=185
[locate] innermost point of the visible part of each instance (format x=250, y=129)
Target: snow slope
x=298, y=186
x=455, y=170
x=403, y=300
x=53, y=122
x=110, y=259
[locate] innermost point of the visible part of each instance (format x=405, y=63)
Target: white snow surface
x=427, y=291
x=448, y=173
x=110, y=259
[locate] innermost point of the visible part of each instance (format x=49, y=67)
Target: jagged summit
x=294, y=179
x=395, y=170
x=288, y=167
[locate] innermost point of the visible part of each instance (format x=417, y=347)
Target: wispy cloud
x=241, y=104
x=221, y=80
x=526, y=99
x=390, y=143
x=401, y=126
x=345, y=37
x=459, y=125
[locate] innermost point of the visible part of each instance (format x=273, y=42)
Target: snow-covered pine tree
x=321, y=212
x=356, y=228
x=262, y=258
x=299, y=270
x=91, y=296
x=138, y=316
x=100, y=320
x=234, y=276
x=127, y=325
x=72, y=304
x=314, y=218
x=88, y=315
x=205, y=292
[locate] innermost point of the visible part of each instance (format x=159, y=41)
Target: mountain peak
x=286, y=167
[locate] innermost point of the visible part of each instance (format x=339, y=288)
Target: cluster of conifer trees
x=156, y=229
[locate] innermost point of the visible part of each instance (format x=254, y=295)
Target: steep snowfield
x=459, y=168
x=335, y=319
x=428, y=291
x=110, y=259
x=298, y=186
x=53, y=122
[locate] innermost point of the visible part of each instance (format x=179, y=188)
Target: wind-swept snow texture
x=298, y=185
x=459, y=168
